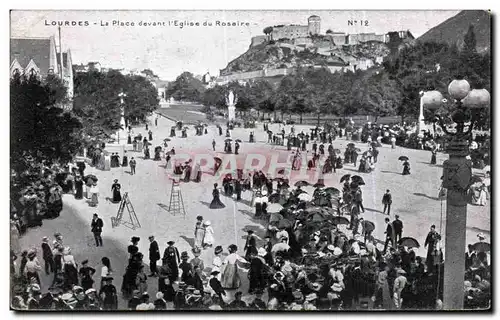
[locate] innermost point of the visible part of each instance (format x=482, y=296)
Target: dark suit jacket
x=47, y=253
x=154, y=251
x=387, y=198
x=398, y=225
x=96, y=225
x=217, y=286
x=389, y=231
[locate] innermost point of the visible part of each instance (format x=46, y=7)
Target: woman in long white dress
x=230, y=277
x=208, y=239
x=199, y=232
x=94, y=191
x=482, y=195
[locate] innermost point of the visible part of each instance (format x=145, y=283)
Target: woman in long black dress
x=125, y=159
x=116, y=187
x=86, y=274
x=146, y=153
x=406, y=168
x=216, y=203
x=150, y=133
x=78, y=187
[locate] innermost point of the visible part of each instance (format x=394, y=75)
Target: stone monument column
x=231, y=101
x=121, y=134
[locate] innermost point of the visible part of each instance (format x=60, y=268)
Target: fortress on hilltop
x=303, y=34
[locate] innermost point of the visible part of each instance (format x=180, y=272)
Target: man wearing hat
x=310, y=302
x=110, y=299
x=33, y=302
x=154, y=256
x=86, y=274
x=93, y=302
x=96, y=228
x=172, y=258
x=258, y=303
x=237, y=303
x=399, y=285
x=47, y=255
x=160, y=303
x=135, y=300
x=250, y=244
x=256, y=274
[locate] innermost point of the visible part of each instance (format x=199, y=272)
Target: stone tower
x=314, y=25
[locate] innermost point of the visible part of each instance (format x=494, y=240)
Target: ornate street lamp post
x=457, y=174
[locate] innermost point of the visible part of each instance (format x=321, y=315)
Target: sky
x=168, y=49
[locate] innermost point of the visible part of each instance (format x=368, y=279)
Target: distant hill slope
x=452, y=31
x=282, y=54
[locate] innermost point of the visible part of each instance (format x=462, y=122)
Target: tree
x=40, y=131
x=268, y=31
x=97, y=103
x=470, y=41
x=186, y=88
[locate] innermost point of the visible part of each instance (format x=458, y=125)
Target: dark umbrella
x=319, y=185
x=409, y=242
x=482, y=247
x=340, y=220
x=90, y=176
x=217, y=160
x=238, y=140
x=332, y=191
x=345, y=177
x=369, y=226
x=285, y=223
x=285, y=185
x=475, y=179
x=228, y=140
x=282, y=171
x=301, y=183
x=351, y=145
x=166, y=139
x=403, y=158
x=274, y=198
x=358, y=180
x=279, y=179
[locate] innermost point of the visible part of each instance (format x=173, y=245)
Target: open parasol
x=345, y=177
x=368, y=226
x=482, y=247
x=319, y=184
x=304, y=197
x=90, y=176
x=301, y=183
x=285, y=223
x=340, y=220
x=358, y=180
x=281, y=171
x=332, y=191
x=274, y=198
x=228, y=140
x=409, y=242
x=475, y=179
x=403, y=158
x=274, y=207
x=285, y=185
x=238, y=140
x=166, y=139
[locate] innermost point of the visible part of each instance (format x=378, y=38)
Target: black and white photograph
x=250, y=160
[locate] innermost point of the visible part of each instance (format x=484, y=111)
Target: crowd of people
x=318, y=253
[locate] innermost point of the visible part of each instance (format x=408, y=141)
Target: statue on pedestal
x=231, y=101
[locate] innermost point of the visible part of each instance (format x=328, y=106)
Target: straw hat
x=337, y=251
x=218, y=250
x=89, y=291
x=207, y=223
x=311, y=297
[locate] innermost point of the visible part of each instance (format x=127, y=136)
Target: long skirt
x=216, y=204
x=95, y=200
x=198, y=237
x=230, y=277
x=79, y=192
x=117, y=197
x=433, y=158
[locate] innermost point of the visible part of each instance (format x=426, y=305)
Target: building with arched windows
x=39, y=57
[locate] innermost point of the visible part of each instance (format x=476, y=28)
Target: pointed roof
x=36, y=49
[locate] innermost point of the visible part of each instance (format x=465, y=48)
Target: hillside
x=452, y=31
x=283, y=54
